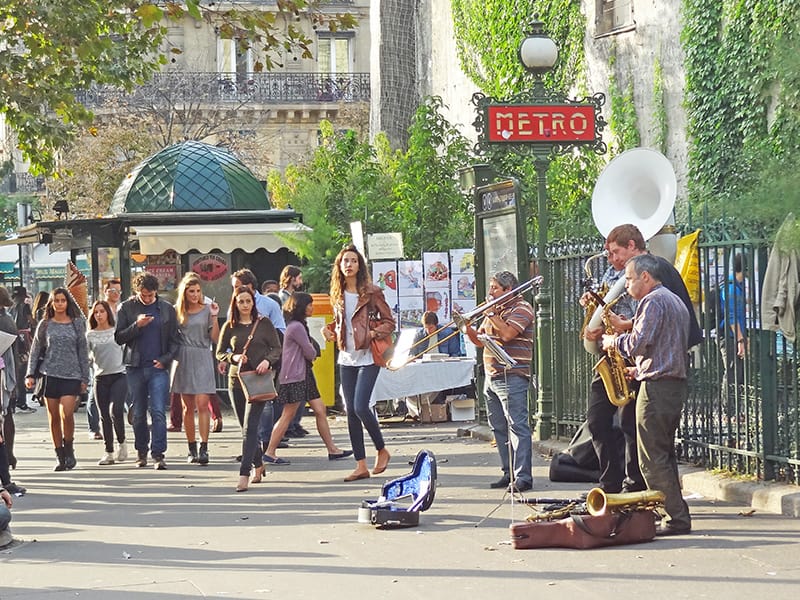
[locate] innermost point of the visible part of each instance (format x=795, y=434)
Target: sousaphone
x=639, y=187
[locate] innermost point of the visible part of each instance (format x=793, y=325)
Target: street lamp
x=538, y=54
x=540, y=123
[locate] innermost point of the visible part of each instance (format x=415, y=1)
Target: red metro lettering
x=559, y=123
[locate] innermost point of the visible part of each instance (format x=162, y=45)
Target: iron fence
x=748, y=423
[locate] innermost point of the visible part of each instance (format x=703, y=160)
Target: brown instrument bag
x=586, y=531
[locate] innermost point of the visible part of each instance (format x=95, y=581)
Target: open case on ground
x=402, y=499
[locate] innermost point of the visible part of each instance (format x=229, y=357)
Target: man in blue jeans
x=510, y=324
x=5, y=518
x=147, y=327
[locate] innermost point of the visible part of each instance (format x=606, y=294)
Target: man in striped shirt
x=510, y=324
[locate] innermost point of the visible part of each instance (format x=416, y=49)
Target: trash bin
x=325, y=365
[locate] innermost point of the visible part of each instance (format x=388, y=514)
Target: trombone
x=461, y=322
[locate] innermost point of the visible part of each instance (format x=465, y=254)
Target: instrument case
x=402, y=499
x=586, y=531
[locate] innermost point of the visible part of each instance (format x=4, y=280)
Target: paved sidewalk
x=771, y=497
x=118, y=532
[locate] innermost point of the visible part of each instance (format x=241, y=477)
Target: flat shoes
x=357, y=476
x=344, y=454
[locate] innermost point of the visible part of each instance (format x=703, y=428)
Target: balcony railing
x=212, y=88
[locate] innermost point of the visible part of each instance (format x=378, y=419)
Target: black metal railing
x=750, y=425
x=177, y=89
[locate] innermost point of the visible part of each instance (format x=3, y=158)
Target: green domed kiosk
x=190, y=207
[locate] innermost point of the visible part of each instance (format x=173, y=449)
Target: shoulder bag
x=38, y=376
x=257, y=388
x=382, y=347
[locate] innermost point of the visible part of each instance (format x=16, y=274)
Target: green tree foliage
x=50, y=51
x=413, y=192
x=742, y=99
x=488, y=36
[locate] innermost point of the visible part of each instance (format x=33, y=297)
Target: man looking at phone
x=147, y=328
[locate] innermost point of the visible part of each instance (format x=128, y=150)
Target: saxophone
x=591, y=284
x=611, y=367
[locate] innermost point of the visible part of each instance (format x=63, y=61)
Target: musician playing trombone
x=510, y=324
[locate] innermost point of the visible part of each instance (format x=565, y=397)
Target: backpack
x=713, y=311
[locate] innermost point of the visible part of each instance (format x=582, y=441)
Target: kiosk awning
x=226, y=237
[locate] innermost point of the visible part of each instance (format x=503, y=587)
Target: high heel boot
x=202, y=457
x=60, y=466
x=69, y=455
x=192, y=458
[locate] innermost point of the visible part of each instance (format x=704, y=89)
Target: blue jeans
x=357, y=384
x=507, y=410
x=5, y=516
x=149, y=389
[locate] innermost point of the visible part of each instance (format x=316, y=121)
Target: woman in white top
x=110, y=386
x=357, y=301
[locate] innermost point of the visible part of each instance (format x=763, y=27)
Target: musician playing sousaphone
x=509, y=325
x=623, y=243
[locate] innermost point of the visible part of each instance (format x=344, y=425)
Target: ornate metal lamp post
x=540, y=123
x=538, y=54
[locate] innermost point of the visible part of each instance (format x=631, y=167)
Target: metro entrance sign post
x=540, y=124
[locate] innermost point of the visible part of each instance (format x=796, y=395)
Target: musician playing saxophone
x=623, y=243
x=506, y=389
x=657, y=343
x=619, y=467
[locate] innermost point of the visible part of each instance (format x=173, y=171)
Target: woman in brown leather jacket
x=354, y=299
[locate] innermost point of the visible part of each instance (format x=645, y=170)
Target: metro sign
x=542, y=123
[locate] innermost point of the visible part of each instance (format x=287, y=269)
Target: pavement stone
x=117, y=532
x=768, y=496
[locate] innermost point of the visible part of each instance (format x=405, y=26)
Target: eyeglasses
x=113, y=291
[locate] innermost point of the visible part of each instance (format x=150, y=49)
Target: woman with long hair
x=110, y=385
x=298, y=384
x=263, y=351
x=194, y=377
x=357, y=301
x=61, y=334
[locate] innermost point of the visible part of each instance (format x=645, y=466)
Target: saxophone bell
x=598, y=502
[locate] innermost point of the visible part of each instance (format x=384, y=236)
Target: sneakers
x=14, y=489
x=520, y=486
x=501, y=483
x=160, y=464
x=95, y=435
x=25, y=410
x=122, y=452
x=141, y=461
x=108, y=459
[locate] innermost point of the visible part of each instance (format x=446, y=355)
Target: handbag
x=38, y=376
x=382, y=347
x=586, y=531
x=257, y=388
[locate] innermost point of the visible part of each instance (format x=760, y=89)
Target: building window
x=335, y=53
x=233, y=61
x=613, y=16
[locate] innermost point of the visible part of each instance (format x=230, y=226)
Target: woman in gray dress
x=194, y=377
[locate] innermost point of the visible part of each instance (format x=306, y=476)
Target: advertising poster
x=214, y=270
x=384, y=275
x=409, y=277
x=411, y=309
x=462, y=280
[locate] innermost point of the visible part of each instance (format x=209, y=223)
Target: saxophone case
x=586, y=531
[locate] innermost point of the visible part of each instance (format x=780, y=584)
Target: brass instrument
x=461, y=322
x=598, y=502
x=611, y=367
